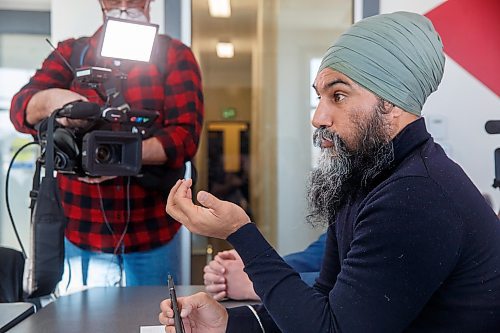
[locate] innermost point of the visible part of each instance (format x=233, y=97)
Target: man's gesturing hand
x=217, y=218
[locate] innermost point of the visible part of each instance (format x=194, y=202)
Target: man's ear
x=402, y=117
x=393, y=110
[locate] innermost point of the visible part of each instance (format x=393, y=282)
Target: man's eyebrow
x=332, y=83
x=336, y=81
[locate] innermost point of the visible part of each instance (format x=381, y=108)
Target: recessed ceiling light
x=225, y=50
x=219, y=8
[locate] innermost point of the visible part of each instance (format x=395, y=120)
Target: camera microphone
x=80, y=110
x=492, y=127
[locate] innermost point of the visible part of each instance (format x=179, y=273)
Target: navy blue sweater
x=419, y=251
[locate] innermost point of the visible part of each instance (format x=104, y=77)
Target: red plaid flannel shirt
x=177, y=95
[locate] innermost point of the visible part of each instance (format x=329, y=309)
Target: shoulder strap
x=80, y=48
x=160, y=58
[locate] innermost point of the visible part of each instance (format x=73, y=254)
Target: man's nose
x=321, y=117
x=123, y=5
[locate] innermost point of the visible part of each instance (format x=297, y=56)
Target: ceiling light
x=225, y=50
x=219, y=8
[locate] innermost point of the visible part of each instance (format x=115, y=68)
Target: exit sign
x=228, y=113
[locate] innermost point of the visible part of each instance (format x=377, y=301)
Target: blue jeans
x=96, y=269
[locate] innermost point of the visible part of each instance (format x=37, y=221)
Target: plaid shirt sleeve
x=54, y=73
x=183, y=106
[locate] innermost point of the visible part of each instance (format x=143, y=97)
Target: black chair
x=11, y=275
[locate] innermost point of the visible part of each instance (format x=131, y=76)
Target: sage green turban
x=399, y=57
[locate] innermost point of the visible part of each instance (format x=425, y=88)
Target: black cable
x=7, y=202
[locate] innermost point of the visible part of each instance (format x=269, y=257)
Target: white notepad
x=153, y=329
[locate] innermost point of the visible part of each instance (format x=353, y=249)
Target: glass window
x=20, y=55
x=267, y=85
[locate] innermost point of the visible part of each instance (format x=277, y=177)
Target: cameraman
x=121, y=222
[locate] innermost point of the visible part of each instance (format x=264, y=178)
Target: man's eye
x=338, y=97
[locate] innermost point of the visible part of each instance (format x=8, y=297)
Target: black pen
x=179, y=326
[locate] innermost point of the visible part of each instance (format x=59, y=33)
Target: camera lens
x=104, y=154
x=108, y=154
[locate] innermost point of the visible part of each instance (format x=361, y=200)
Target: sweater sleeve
x=402, y=232
x=270, y=273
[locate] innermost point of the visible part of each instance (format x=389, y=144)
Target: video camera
x=110, y=144
x=108, y=139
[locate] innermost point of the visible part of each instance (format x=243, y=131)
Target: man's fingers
x=208, y=269
x=184, y=188
x=171, y=194
x=163, y=319
x=166, y=307
x=166, y=317
x=172, y=207
x=217, y=266
x=235, y=254
x=220, y=296
x=226, y=255
x=181, y=200
x=187, y=307
x=215, y=288
x=166, y=312
x=222, y=262
x=211, y=278
x=208, y=200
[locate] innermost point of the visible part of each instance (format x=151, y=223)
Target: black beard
x=343, y=171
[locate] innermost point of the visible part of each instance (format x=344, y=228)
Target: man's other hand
x=224, y=277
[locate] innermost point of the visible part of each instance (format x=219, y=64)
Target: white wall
x=305, y=30
x=20, y=183
x=21, y=175
x=464, y=104
x=22, y=51
x=76, y=18
x=294, y=139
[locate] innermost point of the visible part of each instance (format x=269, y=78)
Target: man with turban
x=412, y=245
